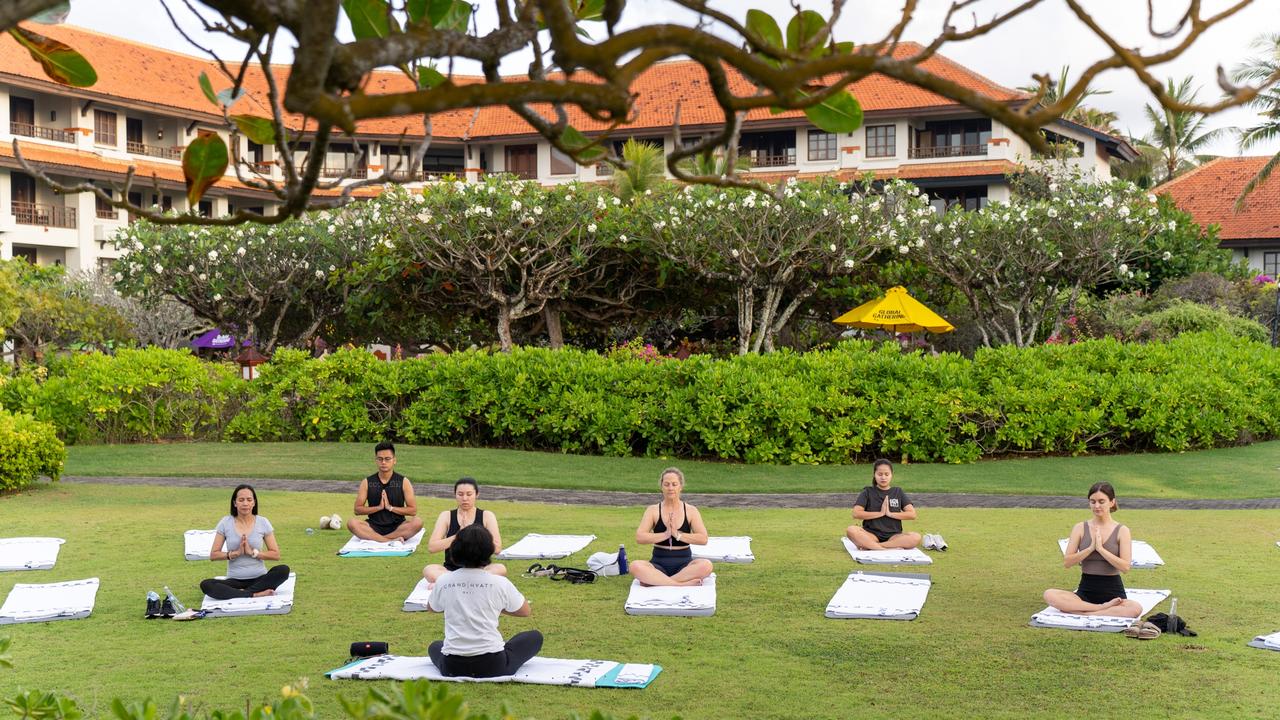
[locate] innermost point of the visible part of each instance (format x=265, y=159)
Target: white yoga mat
x=29, y=553
x=1144, y=557
x=278, y=604
x=539, y=671
x=545, y=547
x=914, y=556
x=1266, y=642
x=725, y=549
x=198, y=543
x=417, y=600
x=1051, y=618
x=695, y=601
x=880, y=596
x=356, y=547
x=69, y=600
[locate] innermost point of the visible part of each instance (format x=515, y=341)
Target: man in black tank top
x=386, y=498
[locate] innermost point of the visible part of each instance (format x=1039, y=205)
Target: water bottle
x=622, y=559
x=177, y=606
x=1172, y=625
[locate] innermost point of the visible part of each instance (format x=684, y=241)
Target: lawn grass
x=1243, y=472
x=767, y=653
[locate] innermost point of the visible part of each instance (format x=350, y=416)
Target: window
x=769, y=149
x=205, y=208
x=1062, y=146
x=562, y=164
x=952, y=138
x=882, y=141
x=1271, y=263
x=103, y=207
x=104, y=127
x=969, y=198
x=255, y=153
x=822, y=145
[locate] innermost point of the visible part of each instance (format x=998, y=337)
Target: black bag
x=368, y=649
x=575, y=576
x=1161, y=620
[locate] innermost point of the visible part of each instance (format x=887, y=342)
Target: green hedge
x=837, y=406
x=28, y=449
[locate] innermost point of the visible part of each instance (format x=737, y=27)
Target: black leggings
x=507, y=661
x=230, y=588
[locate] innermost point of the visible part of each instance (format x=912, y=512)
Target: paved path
x=727, y=500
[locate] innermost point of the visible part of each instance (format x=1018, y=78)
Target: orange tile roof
x=142, y=73
x=1209, y=193
x=59, y=161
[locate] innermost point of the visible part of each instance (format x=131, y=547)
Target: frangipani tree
x=776, y=250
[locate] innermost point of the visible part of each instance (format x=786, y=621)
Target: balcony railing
x=946, y=151
x=765, y=160
x=350, y=172
x=168, y=153
x=108, y=213
x=28, y=213
x=427, y=171
x=44, y=133
x=603, y=169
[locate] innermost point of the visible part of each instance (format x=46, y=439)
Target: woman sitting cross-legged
x=450, y=522
x=671, y=527
x=471, y=600
x=250, y=540
x=1103, y=548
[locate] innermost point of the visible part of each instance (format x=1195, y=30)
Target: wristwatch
x=255, y=553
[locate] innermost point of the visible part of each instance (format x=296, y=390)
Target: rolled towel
x=324, y=521
x=335, y=522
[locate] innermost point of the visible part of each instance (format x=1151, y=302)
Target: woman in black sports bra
x=450, y=522
x=671, y=527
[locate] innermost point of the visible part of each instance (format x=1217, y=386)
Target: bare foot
x=264, y=593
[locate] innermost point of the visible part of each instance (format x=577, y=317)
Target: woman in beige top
x=1103, y=548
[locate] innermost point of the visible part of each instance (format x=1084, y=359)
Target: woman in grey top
x=250, y=540
x=1103, y=548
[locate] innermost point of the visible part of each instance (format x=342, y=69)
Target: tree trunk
x=504, y=328
x=746, y=312
x=555, y=333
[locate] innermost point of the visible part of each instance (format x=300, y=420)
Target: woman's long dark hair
x=236, y=492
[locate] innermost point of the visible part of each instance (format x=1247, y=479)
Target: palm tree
x=1141, y=171
x=1179, y=136
x=643, y=168
x=1103, y=120
x=1259, y=69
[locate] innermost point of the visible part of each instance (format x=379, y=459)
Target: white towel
x=278, y=604
x=539, y=671
x=1144, y=557
x=725, y=549
x=880, y=596
x=1267, y=642
x=198, y=543
x=1053, y=618
x=29, y=553
x=694, y=601
x=69, y=600
x=886, y=557
x=545, y=547
x=357, y=547
x=417, y=600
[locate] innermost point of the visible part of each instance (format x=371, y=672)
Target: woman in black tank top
x=1103, y=549
x=671, y=527
x=465, y=492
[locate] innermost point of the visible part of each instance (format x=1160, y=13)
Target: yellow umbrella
x=896, y=312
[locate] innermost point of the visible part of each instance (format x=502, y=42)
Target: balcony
x=946, y=151
x=27, y=213
x=107, y=213
x=766, y=160
x=168, y=153
x=44, y=133
x=347, y=172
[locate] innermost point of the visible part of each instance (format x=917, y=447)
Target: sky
x=1041, y=41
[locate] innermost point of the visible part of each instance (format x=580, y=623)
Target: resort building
x=147, y=105
x=1209, y=193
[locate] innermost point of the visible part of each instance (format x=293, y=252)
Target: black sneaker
x=153, y=609
x=166, y=608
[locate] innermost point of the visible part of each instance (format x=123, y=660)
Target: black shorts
x=1099, y=589
x=386, y=528
x=671, y=562
x=881, y=535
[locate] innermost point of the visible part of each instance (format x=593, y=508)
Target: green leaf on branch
x=449, y=14
x=429, y=77
x=416, y=9
x=206, y=87
x=204, y=161
x=802, y=29
x=763, y=24
x=59, y=61
x=581, y=145
x=369, y=18
x=55, y=15
x=259, y=130
x=839, y=113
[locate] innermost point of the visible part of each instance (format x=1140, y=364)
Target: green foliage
x=38, y=705
x=136, y=395
x=28, y=449
x=1181, y=247
x=54, y=310
x=5, y=660
x=203, y=162
x=643, y=171
x=58, y=60
x=1185, y=317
